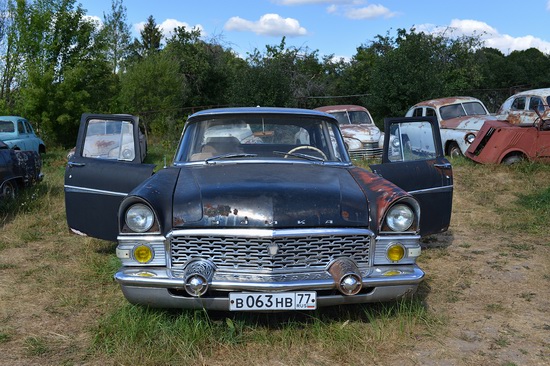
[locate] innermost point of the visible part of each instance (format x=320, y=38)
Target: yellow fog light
x=396, y=252
x=143, y=254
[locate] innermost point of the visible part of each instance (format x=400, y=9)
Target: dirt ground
x=492, y=287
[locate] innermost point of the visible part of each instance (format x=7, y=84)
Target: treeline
x=56, y=63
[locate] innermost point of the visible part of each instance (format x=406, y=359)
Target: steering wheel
x=306, y=147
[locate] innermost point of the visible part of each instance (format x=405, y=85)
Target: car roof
x=543, y=92
x=341, y=108
x=259, y=110
x=436, y=103
x=10, y=118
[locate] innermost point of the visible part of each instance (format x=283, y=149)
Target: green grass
x=127, y=334
x=135, y=334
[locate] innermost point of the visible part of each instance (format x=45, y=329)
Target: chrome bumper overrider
x=155, y=286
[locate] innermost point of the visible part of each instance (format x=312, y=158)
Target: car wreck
x=501, y=142
x=362, y=137
x=18, y=169
x=262, y=222
x=18, y=134
x=460, y=118
x=524, y=108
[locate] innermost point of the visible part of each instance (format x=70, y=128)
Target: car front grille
x=270, y=254
x=367, y=153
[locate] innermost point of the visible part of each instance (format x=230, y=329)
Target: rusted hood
x=473, y=123
x=268, y=196
x=365, y=133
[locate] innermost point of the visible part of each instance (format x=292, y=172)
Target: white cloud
x=94, y=19
x=268, y=24
x=369, y=12
x=491, y=36
x=167, y=27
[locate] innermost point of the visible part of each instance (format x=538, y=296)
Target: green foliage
x=56, y=64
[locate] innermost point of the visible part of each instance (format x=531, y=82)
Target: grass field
x=485, y=298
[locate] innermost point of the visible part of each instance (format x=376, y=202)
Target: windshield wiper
x=230, y=156
x=299, y=155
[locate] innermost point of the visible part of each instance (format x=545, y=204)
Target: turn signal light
x=143, y=254
x=396, y=252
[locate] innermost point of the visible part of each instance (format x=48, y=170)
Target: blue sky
x=338, y=27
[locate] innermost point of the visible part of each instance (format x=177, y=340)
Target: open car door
x=105, y=167
x=413, y=159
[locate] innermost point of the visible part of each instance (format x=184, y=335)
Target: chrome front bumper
x=161, y=287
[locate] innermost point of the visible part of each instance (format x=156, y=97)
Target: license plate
x=244, y=301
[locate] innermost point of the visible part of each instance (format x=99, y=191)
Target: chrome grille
x=294, y=253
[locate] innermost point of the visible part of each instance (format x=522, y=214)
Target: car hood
x=364, y=133
x=268, y=196
x=473, y=123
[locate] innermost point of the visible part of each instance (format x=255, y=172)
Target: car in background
x=362, y=137
x=18, y=169
x=501, y=142
x=460, y=118
x=523, y=108
x=262, y=223
x=18, y=134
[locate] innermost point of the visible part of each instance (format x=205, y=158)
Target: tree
x=150, y=42
x=117, y=35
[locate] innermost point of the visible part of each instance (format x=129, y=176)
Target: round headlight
x=395, y=142
x=470, y=138
x=400, y=217
x=139, y=218
x=143, y=254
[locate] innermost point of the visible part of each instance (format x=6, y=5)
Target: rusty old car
x=237, y=223
x=524, y=108
x=362, y=137
x=460, y=118
x=18, y=134
x=502, y=142
x=18, y=169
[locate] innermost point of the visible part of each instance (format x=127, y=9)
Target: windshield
x=352, y=117
x=461, y=109
x=258, y=136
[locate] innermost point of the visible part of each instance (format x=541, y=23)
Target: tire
x=512, y=159
x=454, y=151
x=8, y=191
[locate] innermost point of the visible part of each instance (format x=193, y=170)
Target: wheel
x=513, y=159
x=307, y=147
x=454, y=150
x=8, y=190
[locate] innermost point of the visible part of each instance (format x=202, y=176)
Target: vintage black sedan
x=18, y=169
x=248, y=217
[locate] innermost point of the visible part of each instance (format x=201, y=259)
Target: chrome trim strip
x=76, y=189
x=428, y=190
x=269, y=233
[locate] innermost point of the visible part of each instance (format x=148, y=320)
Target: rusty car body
x=501, y=142
x=18, y=134
x=362, y=137
x=18, y=169
x=460, y=118
x=524, y=108
x=263, y=223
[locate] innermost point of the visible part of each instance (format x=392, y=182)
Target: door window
x=412, y=141
x=109, y=139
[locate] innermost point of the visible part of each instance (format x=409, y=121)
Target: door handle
x=444, y=166
x=73, y=164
